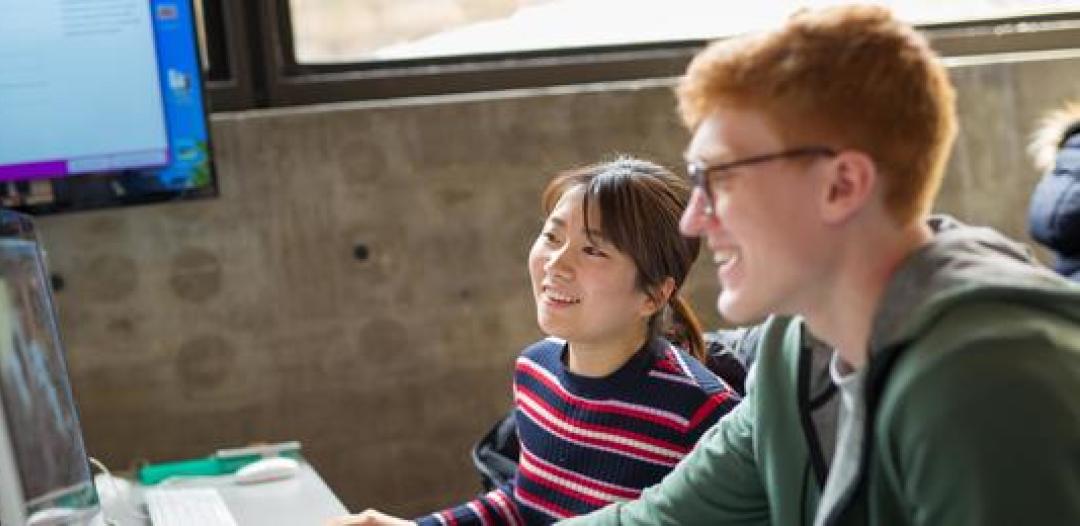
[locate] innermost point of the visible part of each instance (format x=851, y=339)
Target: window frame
x=230, y=79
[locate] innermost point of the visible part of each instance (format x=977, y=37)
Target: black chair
x=496, y=455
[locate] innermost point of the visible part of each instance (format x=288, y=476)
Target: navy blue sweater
x=587, y=442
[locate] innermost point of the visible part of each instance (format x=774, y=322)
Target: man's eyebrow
x=712, y=156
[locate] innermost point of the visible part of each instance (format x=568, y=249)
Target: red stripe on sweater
x=565, y=490
x=553, y=510
x=678, y=449
x=709, y=407
x=609, y=444
x=482, y=511
x=599, y=485
x=601, y=445
x=530, y=370
x=667, y=365
x=513, y=517
x=678, y=359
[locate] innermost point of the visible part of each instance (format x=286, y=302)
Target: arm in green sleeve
x=717, y=483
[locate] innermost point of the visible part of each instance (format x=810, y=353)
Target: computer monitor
x=101, y=104
x=45, y=477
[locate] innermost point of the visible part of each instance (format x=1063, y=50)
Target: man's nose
x=697, y=215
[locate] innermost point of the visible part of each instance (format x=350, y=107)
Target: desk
x=301, y=500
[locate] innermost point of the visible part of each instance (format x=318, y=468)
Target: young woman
x=605, y=406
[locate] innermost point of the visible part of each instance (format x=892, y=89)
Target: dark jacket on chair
x=1054, y=217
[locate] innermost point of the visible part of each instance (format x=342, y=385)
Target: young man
x=817, y=151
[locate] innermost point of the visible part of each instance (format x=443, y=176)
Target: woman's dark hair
x=640, y=204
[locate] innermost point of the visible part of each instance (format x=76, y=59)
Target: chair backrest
x=496, y=454
x=731, y=352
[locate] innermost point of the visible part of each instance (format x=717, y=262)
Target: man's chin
x=737, y=313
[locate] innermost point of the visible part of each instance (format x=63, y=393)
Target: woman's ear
x=658, y=297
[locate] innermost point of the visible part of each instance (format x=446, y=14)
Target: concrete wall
x=196, y=325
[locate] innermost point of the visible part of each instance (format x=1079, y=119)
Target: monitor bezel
x=14, y=505
x=88, y=186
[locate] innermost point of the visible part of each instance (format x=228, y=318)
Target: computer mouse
x=116, y=495
x=267, y=469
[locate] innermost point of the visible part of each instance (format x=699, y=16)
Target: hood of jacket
x=959, y=264
x=963, y=263
x=1054, y=212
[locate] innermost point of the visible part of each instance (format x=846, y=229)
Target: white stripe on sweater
x=565, y=428
x=673, y=378
x=530, y=467
x=475, y=508
x=500, y=499
x=682, y=363
x=556, y=469
x=673, y=418
x=540, y=507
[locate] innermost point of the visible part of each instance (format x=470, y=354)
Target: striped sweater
x=587, y=442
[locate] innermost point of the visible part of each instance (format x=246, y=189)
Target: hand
x=369, y=517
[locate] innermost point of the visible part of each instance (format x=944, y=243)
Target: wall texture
x=197, y=325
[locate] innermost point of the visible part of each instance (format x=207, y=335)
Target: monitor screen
x=44, y=473
x=101, y=104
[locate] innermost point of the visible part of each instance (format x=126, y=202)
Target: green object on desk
x=199, y=467
x=211, y=466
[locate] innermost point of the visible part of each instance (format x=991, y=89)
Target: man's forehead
x=728, y=133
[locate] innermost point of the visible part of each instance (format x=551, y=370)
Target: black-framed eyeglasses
x=707, y=176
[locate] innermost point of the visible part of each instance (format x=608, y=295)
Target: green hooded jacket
x=972, y=408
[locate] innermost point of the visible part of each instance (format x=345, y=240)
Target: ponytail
x=686, y=328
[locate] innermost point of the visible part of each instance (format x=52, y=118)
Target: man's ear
x=658, y=297
x=851, y=182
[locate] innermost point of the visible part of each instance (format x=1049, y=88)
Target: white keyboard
x=187, y=507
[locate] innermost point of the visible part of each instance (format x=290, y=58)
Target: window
x=289, y=52
x=354, y=31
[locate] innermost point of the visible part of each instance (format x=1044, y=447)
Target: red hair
x=845, y=77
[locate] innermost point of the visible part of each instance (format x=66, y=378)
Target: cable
x=121, y=495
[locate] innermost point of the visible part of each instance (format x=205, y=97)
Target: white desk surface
x=301, y=500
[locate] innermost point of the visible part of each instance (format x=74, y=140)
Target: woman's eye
x=549, y=237
x=593, y=251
